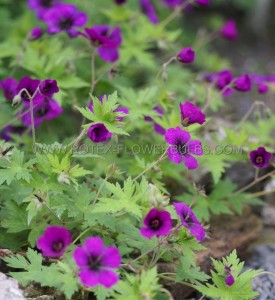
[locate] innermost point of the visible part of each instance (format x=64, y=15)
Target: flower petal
x=111, y=257
x=190, y=162
x=80, y=256
x=89, y=278
x=174, y=155
x=195, y=147
x=107, y=278
x=94, y=246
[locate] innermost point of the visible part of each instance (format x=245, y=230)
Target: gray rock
x=9, y=289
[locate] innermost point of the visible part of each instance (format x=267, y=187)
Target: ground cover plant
x=110, y=119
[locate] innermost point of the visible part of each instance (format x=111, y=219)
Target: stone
x=9, y=289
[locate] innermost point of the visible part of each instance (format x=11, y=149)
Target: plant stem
x=81, y=235
x=265, y=273
x=259, y=194
x=181, y=282
x=99, y=190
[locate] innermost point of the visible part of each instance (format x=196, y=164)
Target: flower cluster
x=96, y=262
x=159, y=223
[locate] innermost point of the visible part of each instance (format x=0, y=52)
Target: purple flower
x=98, y=133
x=243, y=83
x=106, y=40
x=203, y=2
x=42, y=6
x=262, y=88
x=10, y=130
x=148, y=9
x=65, y=17
x=229, y=30
x=260, y=158
x=158, y=128
x=186, y=55
x=191, y=114
x=97, y=263
x=47, y=110
x=182, y=147
x=120, y=2
x=157, y=223
x=54, y=241
x=31, y=86
x=229, y=280
x=35, y=33
x=48, y=87
x=9, y=87
x=189, y=220
x=172, y=3
x=224, y=78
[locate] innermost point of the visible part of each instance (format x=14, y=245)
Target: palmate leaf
x=242, y=287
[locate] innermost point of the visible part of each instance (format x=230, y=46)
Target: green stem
x=81, y=234
x=181, y=282
x=100, y=189
x=265, y=273
x=259, y=194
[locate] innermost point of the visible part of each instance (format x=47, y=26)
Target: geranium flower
x=158, y=128
x=9, y=88
x=260, y=158
x=191, y=114
x=223, y=79
x=106, y=40
x=148, y=9
x=48, y=87
x=54, y=241
x=98, y=133
x=229, y=280
x=65, y=17
x=42, y=6
x=189, y=220
x=36, y=33
x=243, y=83
x=229, y=30
x=97, y=263
x=10, y=130
x=182, y=148
x=157, y=223
x=46, y=110
x=186, y=55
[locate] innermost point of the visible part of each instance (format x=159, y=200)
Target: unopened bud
x=16, y=100
x=63, y=178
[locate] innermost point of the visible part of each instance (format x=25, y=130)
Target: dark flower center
x=97, y=132
x=259, y=160
x=188, y=220
x=66, y=23
x=94, y=263
x=47, y=3
x=182, y=149
x=155, y=224
x=57, y=246
x=42, y=111
x=25, y=96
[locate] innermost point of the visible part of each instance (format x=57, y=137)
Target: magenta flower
x=98, y=133
x=36, y=33
x=48, y=87
x=229, y=280
x=191, y=114
x=243, y=83
x=55, y=241
x=263, y=88
x=189, y=220
x=224, y=78
x=47, y=110
x=229, y=30
x=260, y=158
x=8, y=131
x=31, y=86
x=42, y=6
x=97, y=263
x=9, y=88
x=106, y=40
x=157, y=223
x=158, y=128
x=186, y=55
x=148, y=9
x=182, y=148
x=65, y=17
x=203, y=2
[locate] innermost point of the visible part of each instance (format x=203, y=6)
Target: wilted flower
x=148, y=9
x=65, y=17
x=98, y=133
x=48, y=109
x=48, y=87
x=157, y=223
x=189, y=220
x=35, y=33
x=191, y=114
x=229, y=30
x=158, y=128
x=243, y=83
x=9, y=88
x=97, y=263
x=54, y=241
x=106, y=40
x=186, y=55
x=182, y=148
x=260, y=158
